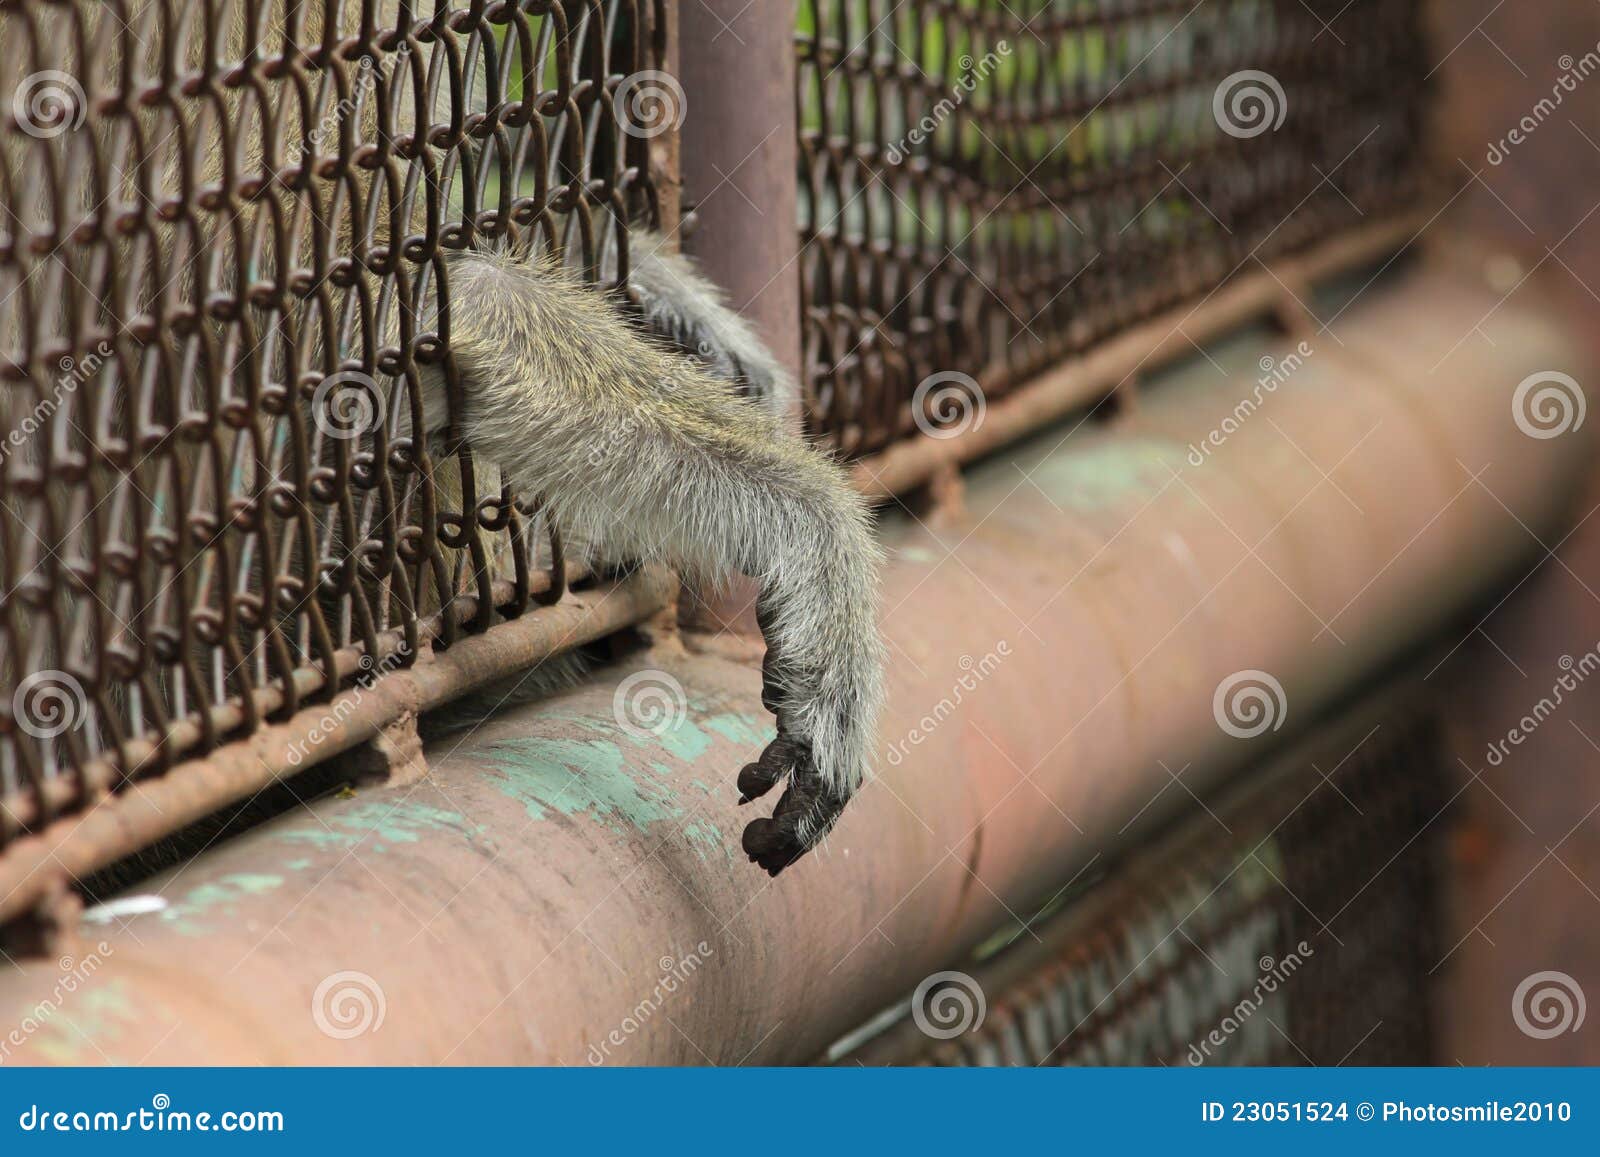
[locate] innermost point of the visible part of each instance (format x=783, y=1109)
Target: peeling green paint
x=600, y=778
x=1100, y=476
x=188, y=914
x=745, y=730
x=578, y=775
x=706, y=838
x=686, y=742
x=85, y=1026
x=390, y=822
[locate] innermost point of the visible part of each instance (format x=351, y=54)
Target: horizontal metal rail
x=1275, y=289
x=78, y=845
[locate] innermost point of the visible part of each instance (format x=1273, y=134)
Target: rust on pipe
x=566, y=887
x=739, y=159
x=79, y=845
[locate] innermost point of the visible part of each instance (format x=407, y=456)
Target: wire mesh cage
x=987, y=188
x=222, y=267
x=1297, y=922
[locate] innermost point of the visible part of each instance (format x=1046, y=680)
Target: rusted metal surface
x=1524, y=870
x=185, y=557
x=566, y=886
x=987, y=189
x=72, y=848
x=1083, y=381
x=738, y=144
x=1205, y=944
x=739, y=159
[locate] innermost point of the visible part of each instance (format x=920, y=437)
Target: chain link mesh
x=223, y=225
x=1297, y=926
x=988, y=187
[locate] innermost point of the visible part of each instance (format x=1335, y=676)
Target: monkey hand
x=824, y=726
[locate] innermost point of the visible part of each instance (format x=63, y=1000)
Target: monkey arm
x=691, y=312
x=644, y=450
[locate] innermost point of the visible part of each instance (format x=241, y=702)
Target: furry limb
x=648, y=452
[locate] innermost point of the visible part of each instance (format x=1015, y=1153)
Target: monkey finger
x=773, y=765
x=805, y=813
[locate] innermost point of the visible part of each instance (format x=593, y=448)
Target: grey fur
x=692, y=313
x=696, y=476
x=644, y=452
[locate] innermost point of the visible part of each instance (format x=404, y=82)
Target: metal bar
x=740, y=157
x=78, y=845
x=546, y=866
x=1160, y=862
x=1084, y=381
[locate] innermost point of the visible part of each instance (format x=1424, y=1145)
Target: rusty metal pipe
x=739, y=155
x=79, y=845
x=567, y=886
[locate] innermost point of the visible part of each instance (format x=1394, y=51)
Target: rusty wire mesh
x=216, y=220
x=989, y=187
x=1298, y=925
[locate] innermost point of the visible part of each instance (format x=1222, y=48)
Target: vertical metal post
x=739, y=160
